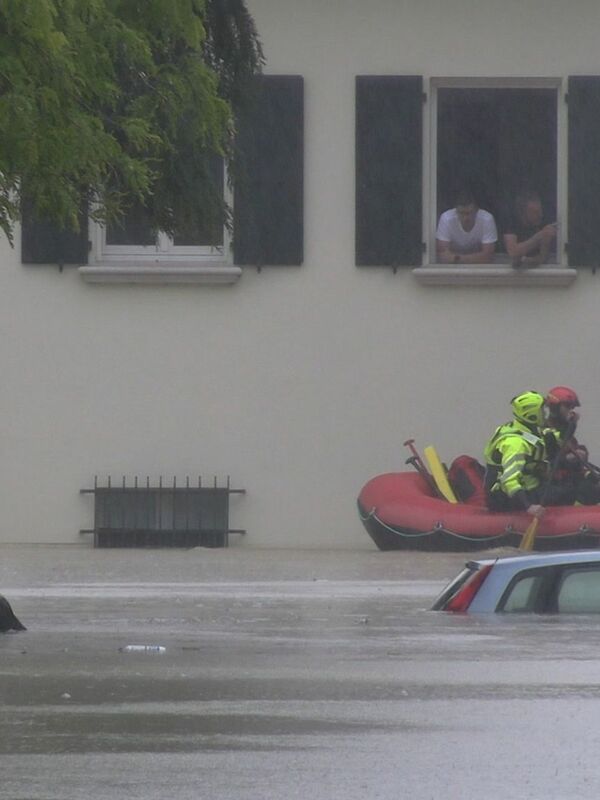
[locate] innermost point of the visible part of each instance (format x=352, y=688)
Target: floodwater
x=286, y=674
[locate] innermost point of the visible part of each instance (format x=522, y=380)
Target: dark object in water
x=8, y=621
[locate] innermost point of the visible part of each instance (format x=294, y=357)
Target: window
x=267, y=202
x=138, y=515
x=495, y=139
x=579, y=592
x=132, y=237
x=415, y=139
x=523, y=594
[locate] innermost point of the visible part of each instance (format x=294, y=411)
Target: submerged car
x=540, y=583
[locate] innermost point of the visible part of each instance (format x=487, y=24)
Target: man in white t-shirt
x=466, y=234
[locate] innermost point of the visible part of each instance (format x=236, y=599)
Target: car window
x=579, y=591
x=523, y=594
x=528, y=590
x=452, y=588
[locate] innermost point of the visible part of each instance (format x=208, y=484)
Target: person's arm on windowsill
x=519, y=251
x=445, y=255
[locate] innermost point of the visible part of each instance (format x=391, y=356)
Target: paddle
x=529, y=535
x=424, y=474
x=439, y=474
x=419, y=465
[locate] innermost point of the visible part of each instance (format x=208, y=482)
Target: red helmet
x=562, y=394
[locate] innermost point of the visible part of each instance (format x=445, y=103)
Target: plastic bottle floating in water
x=143, y=648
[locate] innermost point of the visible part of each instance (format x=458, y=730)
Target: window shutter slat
x=389, y=131
x=584, y=170
x=269, y=187
x=43, y=242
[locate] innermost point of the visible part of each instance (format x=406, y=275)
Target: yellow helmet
x=529, y=408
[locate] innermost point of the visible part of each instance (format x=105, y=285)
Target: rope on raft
x=439, y=528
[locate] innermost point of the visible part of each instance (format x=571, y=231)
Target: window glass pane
x=205, y=233
x=524, y=594
x=208, y=231
x=497, y=142
x=579, y=592
x=133, y=229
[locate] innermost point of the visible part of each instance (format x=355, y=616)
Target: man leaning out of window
x=466, y=234
x=529, y=239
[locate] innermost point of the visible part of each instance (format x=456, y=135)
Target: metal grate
x=145, y=515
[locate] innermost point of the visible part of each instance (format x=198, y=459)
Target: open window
x=419, y=140
x=496, y=139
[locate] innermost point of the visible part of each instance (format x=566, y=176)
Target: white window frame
x=164, y=249
x=163, y=262
x=499, y=272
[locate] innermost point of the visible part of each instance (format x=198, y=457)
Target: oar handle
x=529, y=535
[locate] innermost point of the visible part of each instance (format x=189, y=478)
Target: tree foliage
x=119, y=101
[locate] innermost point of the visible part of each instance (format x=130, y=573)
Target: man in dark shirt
x=528, y=240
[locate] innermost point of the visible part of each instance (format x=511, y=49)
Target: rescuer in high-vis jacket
x=517, y=462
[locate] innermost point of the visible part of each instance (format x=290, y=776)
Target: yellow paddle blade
x=439, y=474
x=529, y=535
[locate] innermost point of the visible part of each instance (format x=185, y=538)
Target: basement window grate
x=165, y=515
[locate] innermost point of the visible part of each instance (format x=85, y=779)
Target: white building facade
x=299, y=365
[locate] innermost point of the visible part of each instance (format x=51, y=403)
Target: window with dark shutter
x=269, y=182
x=584, y=170
x=389, y=132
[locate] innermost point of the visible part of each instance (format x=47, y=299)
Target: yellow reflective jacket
x=516, y=459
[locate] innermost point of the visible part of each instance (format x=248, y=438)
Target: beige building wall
x=300, y=383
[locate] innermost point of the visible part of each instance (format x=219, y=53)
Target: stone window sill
x=494, y=275
x=164, y=272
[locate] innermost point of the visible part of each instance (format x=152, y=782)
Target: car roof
x=539, y=559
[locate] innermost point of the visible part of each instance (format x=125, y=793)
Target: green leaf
x=119, y=101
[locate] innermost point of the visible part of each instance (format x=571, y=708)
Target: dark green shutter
x=269, y=183
x=584, y=171
x=389, y=146
x=43, y=242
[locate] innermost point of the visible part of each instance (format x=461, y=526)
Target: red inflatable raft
x=400, y=512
